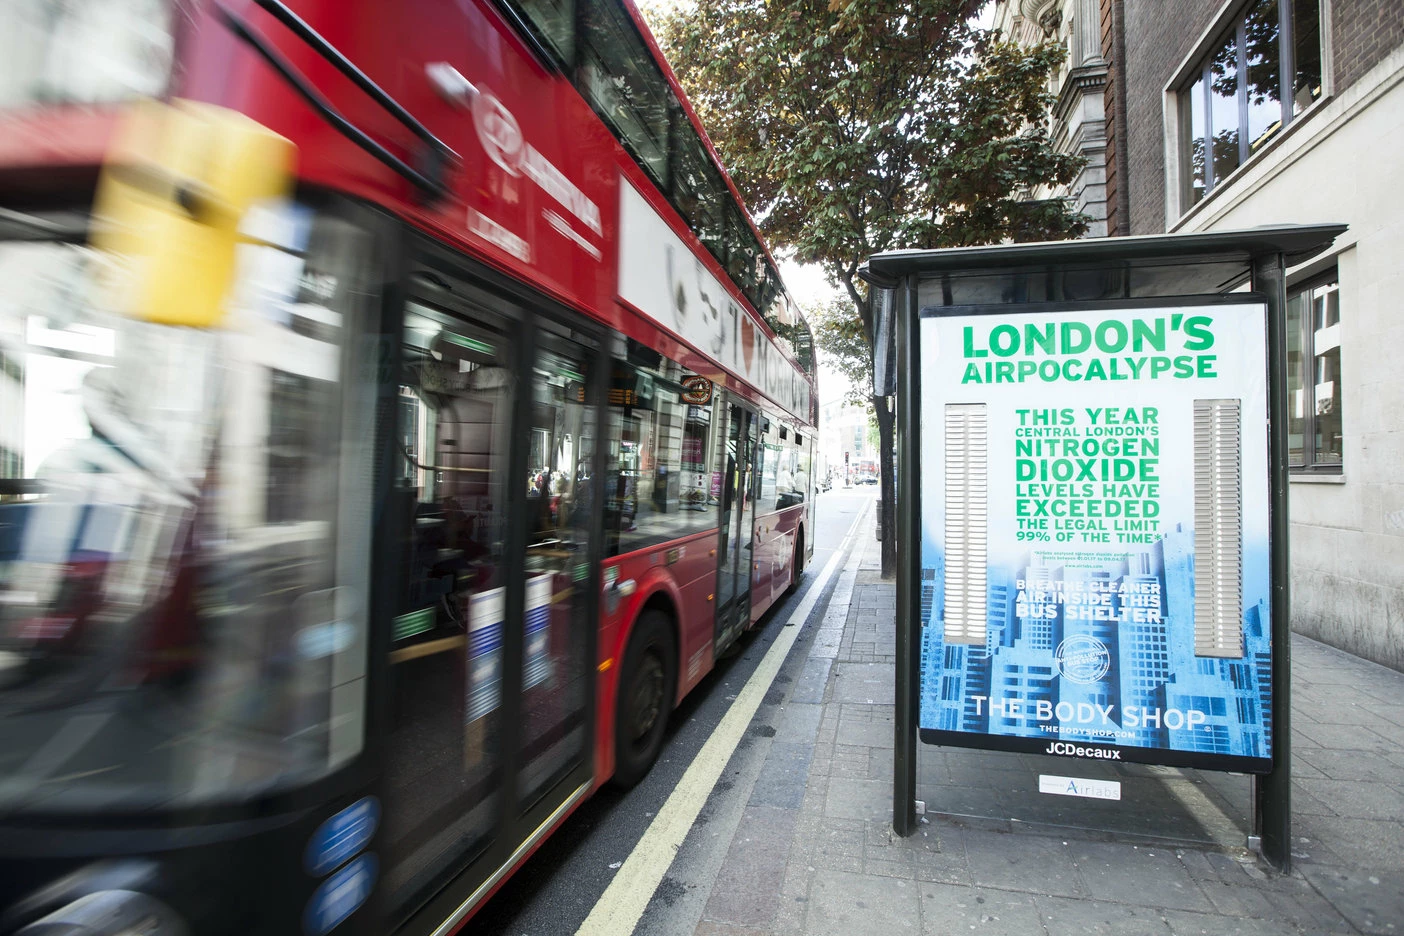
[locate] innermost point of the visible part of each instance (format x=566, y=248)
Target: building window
x=1233, y=103
x=1314, y=376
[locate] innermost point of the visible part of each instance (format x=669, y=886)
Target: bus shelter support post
x=908, y=442
x=1272, y=792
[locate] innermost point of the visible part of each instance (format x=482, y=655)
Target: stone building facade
x=1079, y=122
x=1230, y=114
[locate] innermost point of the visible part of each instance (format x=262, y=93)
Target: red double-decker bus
x=399, y=415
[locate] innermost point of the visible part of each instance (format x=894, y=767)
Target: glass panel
x=1193, y=136
x=182, y=573
x=792, y=475
x=770, y=302
x=554, y=22
x=1306, y=42
x=1296, y=412
x=1263, y=49
x=1223, y=106
x=622, y=82
x=444, y=744
x=729, y=458
x=804, y=347
x=769, y=457
x=1326, y=345
x=741, y=252
x=698, y=192
x=734, y=554
x=660, y=456
x=557, y=608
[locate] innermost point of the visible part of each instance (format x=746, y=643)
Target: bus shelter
x=1092, y=586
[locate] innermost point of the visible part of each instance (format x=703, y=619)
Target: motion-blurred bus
x=399, y=415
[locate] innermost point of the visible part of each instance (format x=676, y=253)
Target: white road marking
x=623, y=903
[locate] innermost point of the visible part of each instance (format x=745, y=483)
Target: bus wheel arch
x=797, y=563
x=648, y=685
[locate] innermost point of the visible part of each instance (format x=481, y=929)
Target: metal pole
x=1272, y=793
x=908, y=441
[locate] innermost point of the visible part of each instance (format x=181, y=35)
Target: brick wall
x=1363, y=32
x=1160, y=33
x=1109, y=95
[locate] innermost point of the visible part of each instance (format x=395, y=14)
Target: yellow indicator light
x=604, y=667
x=176, y=185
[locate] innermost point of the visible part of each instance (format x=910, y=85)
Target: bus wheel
x=647, y=685
x=797, y=567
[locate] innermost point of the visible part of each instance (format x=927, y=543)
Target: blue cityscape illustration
x=1126, y=676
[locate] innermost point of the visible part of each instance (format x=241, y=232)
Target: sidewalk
x=814, y=853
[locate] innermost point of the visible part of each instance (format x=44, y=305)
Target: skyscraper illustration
x=1132, y=622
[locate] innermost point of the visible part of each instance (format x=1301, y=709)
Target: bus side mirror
x=177, y=182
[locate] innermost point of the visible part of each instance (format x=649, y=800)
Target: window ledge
x=1314, y=477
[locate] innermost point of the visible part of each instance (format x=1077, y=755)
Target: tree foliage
x=855, y=126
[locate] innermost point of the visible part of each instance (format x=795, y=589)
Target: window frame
x=1197, y=66
x=1306, y=336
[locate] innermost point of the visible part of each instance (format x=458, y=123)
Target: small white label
x=1079, y=786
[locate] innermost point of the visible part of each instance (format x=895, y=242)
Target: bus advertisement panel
x=1095, y=539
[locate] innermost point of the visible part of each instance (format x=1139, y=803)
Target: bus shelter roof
x=1123, y=267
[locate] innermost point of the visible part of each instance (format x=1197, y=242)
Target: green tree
x=840, y=333
x=857, y=126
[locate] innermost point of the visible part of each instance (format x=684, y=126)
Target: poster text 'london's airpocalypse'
x=1095, y=552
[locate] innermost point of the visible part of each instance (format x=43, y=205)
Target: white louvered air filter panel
x=967, y=521
x=1218, y=529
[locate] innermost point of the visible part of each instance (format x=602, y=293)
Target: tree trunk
x=886, y=489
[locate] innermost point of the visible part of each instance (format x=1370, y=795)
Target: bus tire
x=647, y=683
x=797, y=567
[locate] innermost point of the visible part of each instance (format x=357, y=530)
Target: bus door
x=489, y=675
x=737, y=522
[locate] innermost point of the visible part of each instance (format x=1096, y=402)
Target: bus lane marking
x=623, y=902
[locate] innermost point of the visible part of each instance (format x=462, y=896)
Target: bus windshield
x=183, y=540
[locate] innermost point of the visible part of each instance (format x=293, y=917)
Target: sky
x=808, y=286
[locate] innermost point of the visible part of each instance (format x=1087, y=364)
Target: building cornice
x=1086, y=79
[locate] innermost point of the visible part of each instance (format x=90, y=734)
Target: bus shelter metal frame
x=1170, y=266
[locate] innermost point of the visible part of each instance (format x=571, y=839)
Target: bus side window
x=663, y=480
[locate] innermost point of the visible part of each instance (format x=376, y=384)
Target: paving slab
x=783, y=778
x=1372, y=900
x=1131, y=874
x=754, y=869
x=1028, y=863
x=949, y=908
x=860, y=904
x=851, y=798
x=798, y=722
x=867, y=683
x=1061, y=916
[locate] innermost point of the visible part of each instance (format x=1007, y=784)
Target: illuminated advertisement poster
x=1095, y=555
